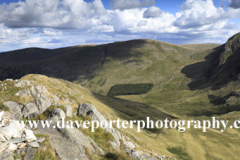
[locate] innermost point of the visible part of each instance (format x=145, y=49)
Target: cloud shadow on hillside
x=71, y=63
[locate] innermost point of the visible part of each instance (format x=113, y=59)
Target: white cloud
x=130, y=4
x=54, y=13
x=50, y=33
x=152, y=12
x=74, y=22
x=196, y=13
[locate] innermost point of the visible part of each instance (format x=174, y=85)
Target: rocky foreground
x=16, y=139
x=33, y=101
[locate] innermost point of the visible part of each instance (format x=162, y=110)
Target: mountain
x=220, y=67
x=100, y=67
x=144, y=78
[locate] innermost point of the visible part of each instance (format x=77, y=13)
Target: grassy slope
x=139, y=61
x=145, y=61
x=203, y=46
x=172, y=95
x=194, y=143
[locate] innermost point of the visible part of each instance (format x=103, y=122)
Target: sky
x=61, y=23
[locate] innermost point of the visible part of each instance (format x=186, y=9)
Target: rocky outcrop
x=89, y=110
x=41, y=100
x=14, y=108
x=68, y=143
x=81, y=140
x=64, y=148
x=14, y=137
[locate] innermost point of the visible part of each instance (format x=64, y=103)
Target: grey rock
x=43, y=103
x=135, y=154
x=129, y=144
x=22, y=83
x=29, y=154
x=85, y=109
x=30, y=110
x=29, y=136
x=55, y=99
x=34, y=144
x=16, y=140
x=81, y=140
x=53, y=119
x=6, y=155
x=65, y=149
x=40, y=139
x=68, y=110
x=14, y=108
x=89, y=110
x=39, y=93
x=59, y=112
x=21, y=150
x=12, y=130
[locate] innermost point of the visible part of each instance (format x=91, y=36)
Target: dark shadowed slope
x=120, y=60
x=220, y=67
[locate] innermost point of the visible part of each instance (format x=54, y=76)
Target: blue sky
x=61, y=23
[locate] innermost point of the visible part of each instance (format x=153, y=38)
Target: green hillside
x=188, y=83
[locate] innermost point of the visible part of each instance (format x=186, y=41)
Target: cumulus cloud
x=142, y=23
x=130, y=4
x=54, y=13
x=152, y=12
x=234, y=4
x=197, y=13
x=72, y=22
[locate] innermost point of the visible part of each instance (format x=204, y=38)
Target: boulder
x=29, y=136
x=58, y=112
x=68, y=110
x=30, y=110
